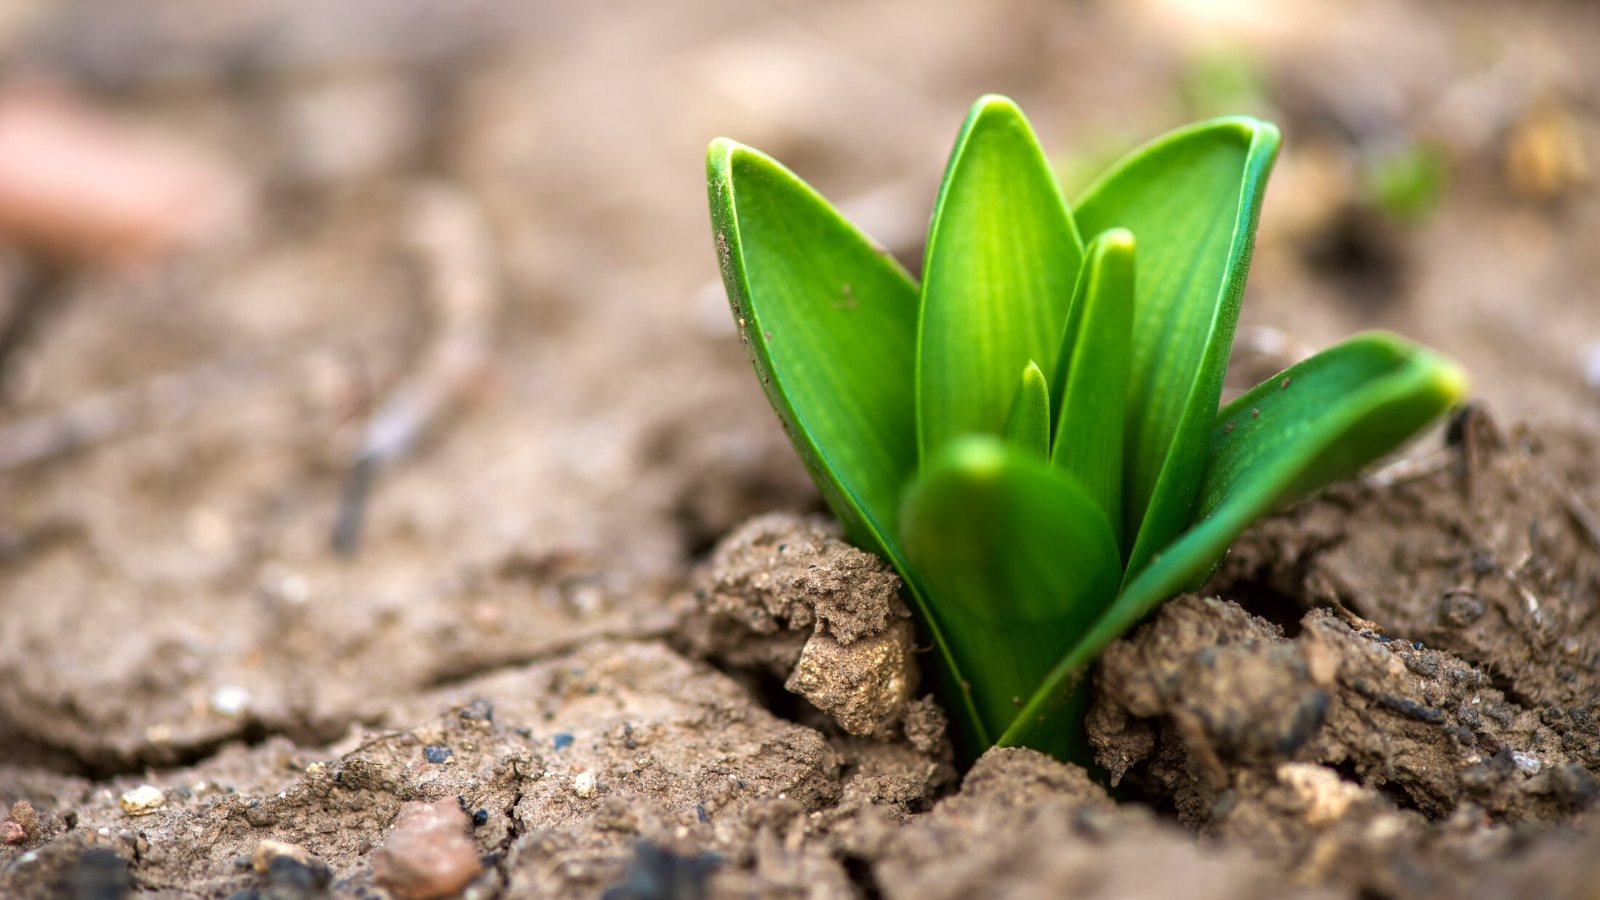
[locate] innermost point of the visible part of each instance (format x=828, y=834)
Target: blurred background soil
x=364, y=362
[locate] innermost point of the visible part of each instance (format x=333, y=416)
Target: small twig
x=376, y=739
x=357, y=485
x=449, y=235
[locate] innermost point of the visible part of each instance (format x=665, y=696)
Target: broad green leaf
x=1322, y=420
x=1193, y=198
x=1017, y=560
x=830, y=321
x=1093, y=369
x=1313, y=424
x=1002, y=258
x=1028, y=423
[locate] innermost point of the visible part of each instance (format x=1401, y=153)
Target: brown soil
x=592, y=635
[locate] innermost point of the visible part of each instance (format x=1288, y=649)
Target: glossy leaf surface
x=1094, y=373
x=1017, y=560
x=1001, y=262
x=1192, y=199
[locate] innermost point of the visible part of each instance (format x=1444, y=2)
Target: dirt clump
x=780, y=571
x=1336, y=746
x=1489, y=554
x=864, y=685
x=1025, y=825
x=785, y=595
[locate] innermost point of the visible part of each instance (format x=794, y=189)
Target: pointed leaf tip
x=1027, y=425
x=1002, y=257
x=994, y=105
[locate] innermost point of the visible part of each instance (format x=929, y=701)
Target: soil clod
x=784, y=595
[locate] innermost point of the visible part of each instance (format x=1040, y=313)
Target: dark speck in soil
x=1412, y=709
x=438, y=753
x=479, y=710
x=562, y=740
x=291, y=879
x=100, y=874
x=655, y=873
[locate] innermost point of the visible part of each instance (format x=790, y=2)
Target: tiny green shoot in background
x=1031, y=435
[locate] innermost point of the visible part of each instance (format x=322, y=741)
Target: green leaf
x=830, y=321
x=1093, y=372
x=1028, y=423
x=1193, y=198
x=1322, y=420
x=1313, y=424
x=1017, y=560
x=1002, y=258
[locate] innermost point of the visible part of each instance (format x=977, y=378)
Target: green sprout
x=1031, y=437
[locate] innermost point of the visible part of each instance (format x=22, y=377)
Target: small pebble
x=428, y=855
x=562, y=740
x=583, y=784
x=267, y=851
x=1526, y=763
x=478, y=710
x=22, y=812
x=143, y=800
x=438, y=753
x=480, y=818
x=11, y=832
x=230, y=701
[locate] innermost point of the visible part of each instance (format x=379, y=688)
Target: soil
x=414, y=525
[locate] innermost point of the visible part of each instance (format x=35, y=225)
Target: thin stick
x=448, y=233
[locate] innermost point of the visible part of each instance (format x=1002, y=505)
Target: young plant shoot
x=1031, y=436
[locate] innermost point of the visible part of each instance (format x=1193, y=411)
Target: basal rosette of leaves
x=1031, y=436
